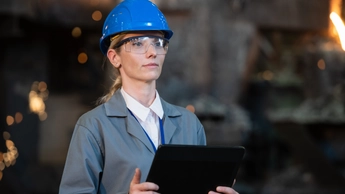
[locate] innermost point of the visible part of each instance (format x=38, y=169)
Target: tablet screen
x=194, y=169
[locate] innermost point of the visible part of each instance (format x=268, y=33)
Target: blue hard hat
x=133, y=15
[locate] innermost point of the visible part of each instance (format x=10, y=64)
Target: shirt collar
x=140, y=110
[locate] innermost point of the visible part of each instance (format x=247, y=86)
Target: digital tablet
x=194, y=169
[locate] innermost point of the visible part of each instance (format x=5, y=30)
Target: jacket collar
x=116, y=107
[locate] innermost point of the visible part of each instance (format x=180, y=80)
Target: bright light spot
x=9, y=120
x=76, y=32
x=267, y=75
x=18, y=117
x=8, y=158
x=37, y=95
x=9, y=144
x=97, y=15
x=36, y=104
x=82, y=58
x=321, y=64
x=190, y=108
x=339, y=25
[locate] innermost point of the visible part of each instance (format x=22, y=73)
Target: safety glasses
x=140, y=44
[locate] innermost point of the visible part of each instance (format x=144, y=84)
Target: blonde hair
x=117, y=83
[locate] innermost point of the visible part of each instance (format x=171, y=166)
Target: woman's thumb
x=137, y=176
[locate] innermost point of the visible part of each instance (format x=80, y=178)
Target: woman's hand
x=224, y=190
x=144, y=188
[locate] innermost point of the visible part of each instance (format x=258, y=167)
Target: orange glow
x=42, y=86
x=8, y=158
x=339, y=26
x=38, y=94
x=9, y=120
x=82, y=58
x=97, y=15
x=190, y=108
x=321, y=64
x=6, y=135
x=76, y=32
x=18, y=117
x=9, y=144
x=36, y=104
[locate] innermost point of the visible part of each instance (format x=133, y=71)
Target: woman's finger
x=226, y=190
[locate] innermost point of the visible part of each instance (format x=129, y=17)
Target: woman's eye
x=137, y=44
x=158, y=44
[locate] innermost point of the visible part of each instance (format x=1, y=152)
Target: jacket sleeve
x=201, y=134
x=84, y=163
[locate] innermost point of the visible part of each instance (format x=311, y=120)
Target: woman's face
x=144, y=67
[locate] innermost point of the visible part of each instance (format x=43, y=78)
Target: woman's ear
x=114, y=58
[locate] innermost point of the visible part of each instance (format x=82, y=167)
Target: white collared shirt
x=147, y=117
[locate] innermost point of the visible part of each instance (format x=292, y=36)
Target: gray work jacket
x=108, y=144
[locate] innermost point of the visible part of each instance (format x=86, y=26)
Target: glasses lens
x=141, y=44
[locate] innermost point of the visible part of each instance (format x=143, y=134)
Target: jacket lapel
x=169, y=129
x=116, y=107
x=134, y=128
x=170, y=112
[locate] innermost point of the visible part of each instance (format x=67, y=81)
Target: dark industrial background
x=265, y=74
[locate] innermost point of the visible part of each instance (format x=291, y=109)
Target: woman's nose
x=151, y=50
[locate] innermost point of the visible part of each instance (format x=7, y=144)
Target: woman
x=113, y=145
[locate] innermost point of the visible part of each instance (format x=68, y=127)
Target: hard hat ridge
x=133, y=15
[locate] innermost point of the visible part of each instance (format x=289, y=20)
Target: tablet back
x=194, y=169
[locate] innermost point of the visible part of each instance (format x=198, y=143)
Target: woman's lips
x=151, y=65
